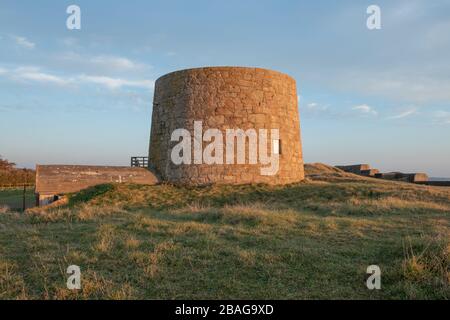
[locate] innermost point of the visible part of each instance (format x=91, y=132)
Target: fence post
x=24, y=190
x=23, y=199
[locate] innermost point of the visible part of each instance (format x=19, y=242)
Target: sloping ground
x=324, y=172
x=307, y=240
x=312, y=169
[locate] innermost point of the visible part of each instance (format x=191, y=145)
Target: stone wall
x=365, y=170
x=355, y=168
x=226, y=98
x=400, y=176
x=53, y=180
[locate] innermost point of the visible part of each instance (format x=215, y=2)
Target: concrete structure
x=436, y=183
x=355, y=168
x=226, y=98
x=365, y=170
x=416, y=177
x=407, y=177
x=369, y=172
x=55, y=180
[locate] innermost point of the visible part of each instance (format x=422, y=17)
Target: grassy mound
x=303, y=241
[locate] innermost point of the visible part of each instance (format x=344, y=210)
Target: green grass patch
x=89, y=194
x=13, y=198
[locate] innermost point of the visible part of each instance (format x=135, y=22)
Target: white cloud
x=115, y=83
x=43, y=77
x=35, y=74
x=365, y=109
x=316, y=109
x=314, y=106
x=404, y=114
x=114, y=62
x=23, y=42
x=103, y=62
x=403, y=84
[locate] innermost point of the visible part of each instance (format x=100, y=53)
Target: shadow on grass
x=89, y=194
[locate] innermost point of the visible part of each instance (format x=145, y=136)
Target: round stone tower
x=250, y=108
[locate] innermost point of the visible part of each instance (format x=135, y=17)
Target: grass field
x=308, y=240
x=13, y=198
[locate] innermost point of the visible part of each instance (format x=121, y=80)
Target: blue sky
x=366, y=96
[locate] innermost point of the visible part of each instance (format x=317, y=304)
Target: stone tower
x=226, y=98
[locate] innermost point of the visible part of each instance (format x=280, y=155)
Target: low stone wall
x=407, y=177
x=55, y=180
x=369, y=172
x=365, y=170
x=355, y=168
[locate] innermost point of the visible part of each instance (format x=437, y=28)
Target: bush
x=9, y=174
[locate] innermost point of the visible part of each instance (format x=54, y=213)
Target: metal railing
x=139, y=162
x=17, y=197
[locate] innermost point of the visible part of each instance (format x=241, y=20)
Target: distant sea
x=438, y=179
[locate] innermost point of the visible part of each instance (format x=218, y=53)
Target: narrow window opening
x=276, y=146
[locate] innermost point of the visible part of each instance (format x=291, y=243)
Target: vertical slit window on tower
x=276, y=146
